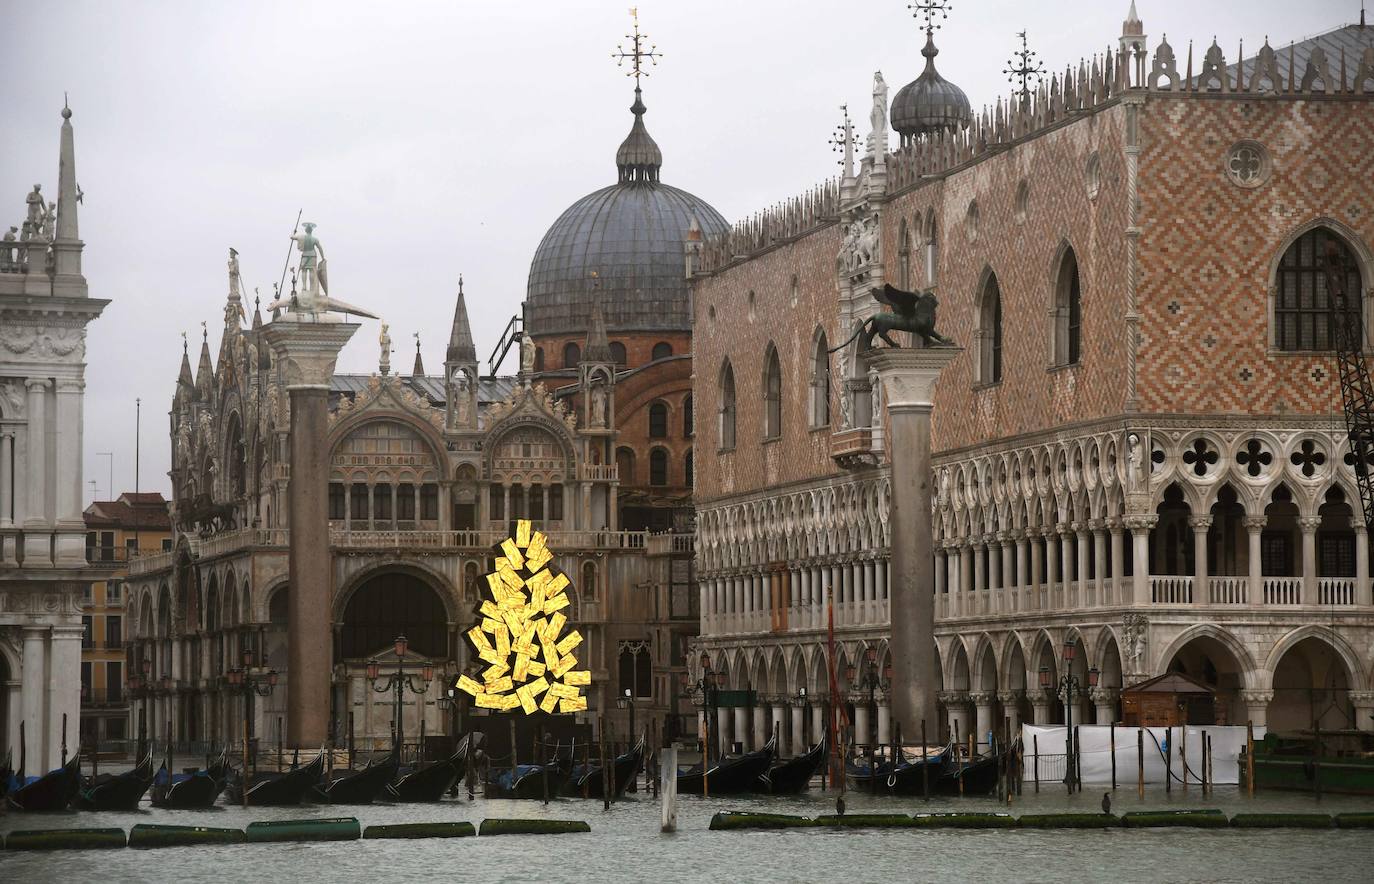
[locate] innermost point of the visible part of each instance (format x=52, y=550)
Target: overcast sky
x=432, y=139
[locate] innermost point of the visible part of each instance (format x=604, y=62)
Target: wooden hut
x=1167, y=700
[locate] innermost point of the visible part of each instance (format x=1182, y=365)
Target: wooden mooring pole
x=1140, y=762
x=1168, y=759
x=1035, y=759
x=1250, y=757
x=1113, y=741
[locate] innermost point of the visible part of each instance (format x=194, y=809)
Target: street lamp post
x=805, y=705
x=251, y=679
x=1068, y=685
x=139, y=684
x=398, y=682
x=627, y=701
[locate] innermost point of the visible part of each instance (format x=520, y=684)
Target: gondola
x=586, y=779
x=272, y=789
x=52, y=791
x=729, y=776
x=6, y=774
x=979, y=776
x=794, y=774
x=430, y=782
x=528, y=780
x=360, y=786
x=117, y=791
x=905, y=778
x=193, y=791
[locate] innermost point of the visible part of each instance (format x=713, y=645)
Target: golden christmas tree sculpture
x=531, y=664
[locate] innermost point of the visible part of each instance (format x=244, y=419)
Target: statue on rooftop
x=526, y=354
x=384, y=361
x=37, y=208
x=313, y=296
x=234, y=291
x=7, y=251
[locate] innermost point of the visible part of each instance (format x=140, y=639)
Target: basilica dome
x=623, y=246
x=930, y=103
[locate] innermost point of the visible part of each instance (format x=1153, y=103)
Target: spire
x=67, y=244
x=184, y=378
x=419, y=370
x=638, y=158
x=205, y=372
x=598, y=348
x=257, y=310
x=460, y=347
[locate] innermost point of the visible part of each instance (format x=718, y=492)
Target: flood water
x=625, y=845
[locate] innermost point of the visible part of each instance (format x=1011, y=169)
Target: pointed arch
x=820, y=379
x=772, y=392
x=988, y=333
x=726, y=425
x=1298, y=300
x=1066, y=308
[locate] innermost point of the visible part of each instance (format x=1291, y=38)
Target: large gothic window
x=904, y=255
x=820, y=380
x=932, y=249
x=572, y=354
x=727, y=407
x=1068, y=311
x=1302, y=317
x=658, y=421
x=772, y=394
x=990, y=332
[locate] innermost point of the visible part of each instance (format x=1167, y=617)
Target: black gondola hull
x=431, y=782
x=360, y=787
x=795, y=774
x=55, y=790
x=730, y=776
x=979, y=778
x=530, y=786
x=906, y=779
x=589, y=782
x=278, y=790
x=119, y=792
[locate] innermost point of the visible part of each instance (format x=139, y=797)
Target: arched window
x=727, y=407
x=497, y=502
x=687, y=470
x=1301, y=307
x=618, y=353
x=588, y=588
x=687, y=416
x=989, y=333
x=662, y=350
x=658, y=467
x=820, y=380
x=572, y=354
x=904, y=255
x=1068, y=311
x=772, y=394
x=556, y=502
x=538, y=358
x=625, y=464
x=932, y=248
x=658, y=421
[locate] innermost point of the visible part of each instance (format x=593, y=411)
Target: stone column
x=760, y=726
x=1363, y=703
x=742, y=726
x=1309, y=525
x=1067, y=577
x=1362, y=592
x=956, y=706
x=982, y=705
x=1118, y=562
x=863, y=730
x=1007, y=568
x=34, y=673
x=798, y=730
x=1052, y=562
x=940, y=566
x=1037, y=559
x=907, y=376
x=952, y=557
x=779, y=725
x=884, y=722
x=1257, y=706
x=724, y=731
x=818, y=726
x=1098, y=527
x=1081, y=536
x=37, y=549
x=1011, y=709
x=6, y=472
x=71, y=525
x=1040, y=707
x=1200, y=524
x=1104, y=704
x=306, y=347
x=1254, y=528
x=979, y=547
x=1140, y=527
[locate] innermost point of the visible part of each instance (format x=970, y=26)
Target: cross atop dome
x=638, y=54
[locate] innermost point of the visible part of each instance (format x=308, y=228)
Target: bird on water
x=1106, y=802
x=839, y=805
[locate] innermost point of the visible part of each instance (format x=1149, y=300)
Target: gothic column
x=6, y=472
x=1140, y=527
x=1362, y=591
x=940, y=565
x=307, y=347
x=1309, y=525
x=742, y=727
x=995, y=582
x=1098, y=527
x=1037, y=560
x=863, y=731
x=71, y=524
x=952, y=556
x=1254, y=528
x=724, y=731
x=1200, y=524
x=956, y=706
x=1040, y=707
x=1063, y=531
x=780, y=719
x=798, y=730
x=1118, y=562
x=1052, y=560
x=760, y=726
x=982, y=705
x=907, y=376
x=1011, y=709
x=818, y=726
x=1081, y=536
x=979, y=547
x=1257, y=706
x=1006, y=541
x=966, y=576
x=884, y=722
x=1104, y=704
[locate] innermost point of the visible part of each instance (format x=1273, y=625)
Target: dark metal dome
x=622, y=246
x=930, y=103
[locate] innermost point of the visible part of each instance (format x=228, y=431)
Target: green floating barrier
x=147, y=835
x=867, y=821
x=421, y=830
x=1281, y=821
x=1359, y=820
x=1198, y=819
x=65, y=839
x=1069, y=820
x=335, y=829
x=963, y=821
x=532, y=827
x=727, y=820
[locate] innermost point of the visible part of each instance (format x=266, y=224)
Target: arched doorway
x=1311, y=688
x=386, y=605
x=1206, y=658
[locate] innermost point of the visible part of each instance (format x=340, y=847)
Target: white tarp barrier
x=1096, y=752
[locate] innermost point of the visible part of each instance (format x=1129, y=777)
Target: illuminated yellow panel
x=490, y=701
x=510, y=578
x=578, y=677
x=559, y=601
x=563, y=665
x=489, y=610
x=526, y=699
x=538, y=686
x=522, y=667
x=525, y=643
x=566, y=644
x=556, y=624
x=535, y=562
x=572, y=704
x=549, y=703
x=497, y=587
x=501, y=562
x=522, y=533
x=502, y=641
x=494, y=671
x=470, y=686
x=509, y=701
x=489, y=625
x=535, y=668
x=538, y=543
x=556, y=585
x=491, y=656
x=479, y=641
x=513, y=622
x=500, y=685
x=537, y=598
x=562, y=690
x=513, y=556
x=550, y=655
x=538, y=578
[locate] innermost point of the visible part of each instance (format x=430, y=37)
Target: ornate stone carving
x=1135, y=629
x=41, y=342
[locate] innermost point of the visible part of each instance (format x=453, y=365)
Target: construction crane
x=1357, y=391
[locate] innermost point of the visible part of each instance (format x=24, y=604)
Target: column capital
x=1254, y=523
x=1063, y=529
x=37, y=385
x=1362, y=698
x=1115, y=525
x=953, y=698
x=978, y=541
x=982, y=698
x=1256, y=697
x=1141, y=524
x=1004, y=537
x=908, y=374
x=1103, y=695
x=1309, y=524
x=1010, y=697
x=1357, y=525
x=1200, y=523
x=1018, y=534
x=70, y=385
x=1097, y=525
x=307, y=350
x=1079, y=526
